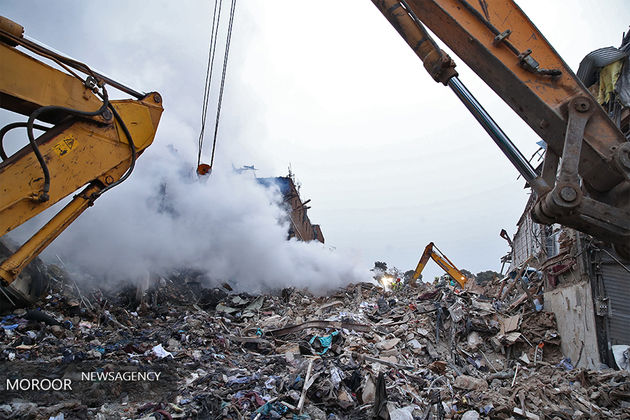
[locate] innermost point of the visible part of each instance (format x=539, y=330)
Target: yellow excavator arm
x=431, y=251
x=89, y=140
x=585, y=179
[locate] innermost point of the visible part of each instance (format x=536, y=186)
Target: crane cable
x=206, y=93
x=203, y=169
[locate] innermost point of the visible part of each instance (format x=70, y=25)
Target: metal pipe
x=492, y=128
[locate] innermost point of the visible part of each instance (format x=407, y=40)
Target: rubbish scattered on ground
x=423, y=352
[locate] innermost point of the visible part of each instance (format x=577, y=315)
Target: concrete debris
x=387, y=344
x=177, y=351
x=470, y=383
x=510, y=324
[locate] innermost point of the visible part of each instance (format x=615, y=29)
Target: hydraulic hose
x=4, y=130
x=132, y=147
x=30, y=125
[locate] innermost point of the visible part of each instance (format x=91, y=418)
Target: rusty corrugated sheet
x=595, y=60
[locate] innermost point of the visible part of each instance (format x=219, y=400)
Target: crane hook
x=204, y=169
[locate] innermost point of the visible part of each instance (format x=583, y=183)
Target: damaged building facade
x=583, y=286
x=586, y=286
x=301, y=227
x=585, y=281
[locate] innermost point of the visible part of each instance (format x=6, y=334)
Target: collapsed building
x=300, y=226
x=585, y=281
x=585, y=286
x=362, y=351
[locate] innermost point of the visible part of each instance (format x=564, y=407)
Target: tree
x=380, y=265
x=409, y=274
x=487, y=276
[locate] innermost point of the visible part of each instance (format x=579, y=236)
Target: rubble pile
x=425, y=352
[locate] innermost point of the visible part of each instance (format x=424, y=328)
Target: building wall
x=556, y=251
x=528, y=240
x=572, y=305
x=300, y=226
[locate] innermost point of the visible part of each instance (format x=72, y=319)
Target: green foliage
x=486, y=276
x=380, y=265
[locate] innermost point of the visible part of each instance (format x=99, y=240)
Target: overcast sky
x=390, y=159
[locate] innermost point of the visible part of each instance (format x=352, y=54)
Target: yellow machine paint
x=90, y=151
x=431, y=251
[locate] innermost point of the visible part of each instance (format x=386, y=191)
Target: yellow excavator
x=432, y=251
x=584, y=182
x=86, y=140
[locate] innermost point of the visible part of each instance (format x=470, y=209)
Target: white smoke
x=226, y=225
x=163, y=217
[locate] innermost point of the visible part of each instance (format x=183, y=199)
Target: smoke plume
x=226, y=225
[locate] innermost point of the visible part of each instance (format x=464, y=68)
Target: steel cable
x=4, y=130
x=209, y=71
x=216, y=16
x=225, y=61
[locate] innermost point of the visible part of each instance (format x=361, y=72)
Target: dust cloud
x=225, y=225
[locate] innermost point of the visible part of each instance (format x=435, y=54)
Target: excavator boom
x=585, y=180
x=431, y=251
x=91, y=142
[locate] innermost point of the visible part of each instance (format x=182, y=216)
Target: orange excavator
x=432, y=251
x=584, y=182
